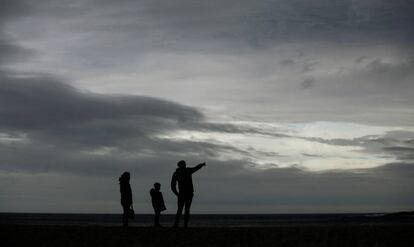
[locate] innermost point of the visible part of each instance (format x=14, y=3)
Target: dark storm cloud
x=60, y=125
x=42, y=102
x=182, y=23
x=49, y=112
x=400, y=144
x=177, y=42
x=403, y=153
x=236, y=129
x=61, y=129
x=65, y=130
x=49, y=127
x=246, y=188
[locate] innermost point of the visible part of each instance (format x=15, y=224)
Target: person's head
x=125, y=177
x=157, y=186
x=181, y=164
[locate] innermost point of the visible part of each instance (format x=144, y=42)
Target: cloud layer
x=295, y=106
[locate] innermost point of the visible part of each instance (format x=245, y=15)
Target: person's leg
x=125, y=216
x=188, y=202
x=180, y=205
x=157, y=218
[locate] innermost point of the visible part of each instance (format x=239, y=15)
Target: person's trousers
x=125, y=207
x=157, y=217
x=184, y=201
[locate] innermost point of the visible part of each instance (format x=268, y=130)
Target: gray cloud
x=61, y=129
x=231, y=51
x=360, y=59
x=65, y=145
x=221, y=26
x=57, y=139
x=221, y=186
x=308, y=83
x=47, y=102
x=12, y=53
x=283, y=185
x=12, y=9
x=398, y=144
x=9, y=51
x=59, y=123
x=373, y=94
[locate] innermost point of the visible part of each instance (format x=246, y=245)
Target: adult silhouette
x=185, y=192
x=126, y=197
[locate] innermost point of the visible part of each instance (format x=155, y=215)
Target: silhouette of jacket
x=183, y=177
x=157, y=200
x=126, y=193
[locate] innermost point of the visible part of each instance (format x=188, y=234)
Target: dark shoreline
x=205, y=220
x=292, y=235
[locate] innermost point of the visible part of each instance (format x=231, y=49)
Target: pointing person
x=183, y=177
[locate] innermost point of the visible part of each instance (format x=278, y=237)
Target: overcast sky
x=296, y=106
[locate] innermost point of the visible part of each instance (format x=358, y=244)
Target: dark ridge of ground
x=295, y=235
x=401, y=214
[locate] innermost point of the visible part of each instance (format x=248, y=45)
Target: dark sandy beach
x=292, y=235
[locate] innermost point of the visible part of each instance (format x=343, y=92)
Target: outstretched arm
x=174, y=184
x=197, y=167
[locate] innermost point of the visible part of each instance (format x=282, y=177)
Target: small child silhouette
x=157, y=203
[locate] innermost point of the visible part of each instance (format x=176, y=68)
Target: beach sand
x=294, y=235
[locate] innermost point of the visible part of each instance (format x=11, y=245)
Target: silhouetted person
x=126, y=197
x=185, y=192
x=157, y=203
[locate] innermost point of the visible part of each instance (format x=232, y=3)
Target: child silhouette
x=157, y=203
